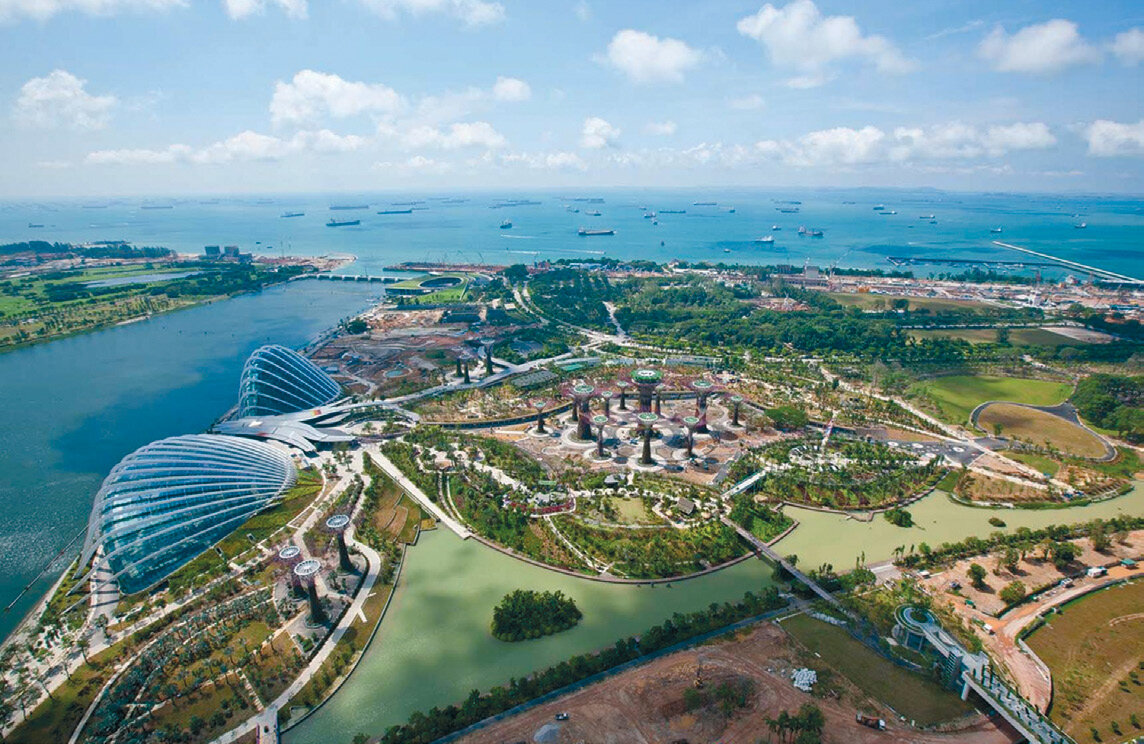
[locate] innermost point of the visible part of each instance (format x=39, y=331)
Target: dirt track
x=645, y=705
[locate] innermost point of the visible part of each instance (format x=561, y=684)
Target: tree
x=976, y=576
x=1013, y=592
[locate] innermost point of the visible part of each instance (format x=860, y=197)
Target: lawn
x=267, y=522
x=1095, y=650
x=1040, y=429
x=55, y=719
x=1017, y=336
x=868, y=301
x=955, y=396
x=1040, y=462
x=632, y=511
x=916, y=697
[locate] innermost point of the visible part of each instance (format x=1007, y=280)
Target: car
x=561, y=716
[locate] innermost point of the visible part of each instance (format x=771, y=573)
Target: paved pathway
x=415, y=492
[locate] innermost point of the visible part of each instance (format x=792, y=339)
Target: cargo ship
x=342, y=223
x=766, y=239
x=703, y=204
x=584, y=232
x=507, y=224
x=396, y=211
x=293, y=214
x=347, y=207
x=673, y=211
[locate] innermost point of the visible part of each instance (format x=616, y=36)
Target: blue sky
x=228, y=96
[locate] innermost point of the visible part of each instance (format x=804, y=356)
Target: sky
x=129, y=97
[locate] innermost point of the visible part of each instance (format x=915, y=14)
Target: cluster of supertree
x=648, y=388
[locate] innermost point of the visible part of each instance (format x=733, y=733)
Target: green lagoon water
x=434, y=644
x=832, y=538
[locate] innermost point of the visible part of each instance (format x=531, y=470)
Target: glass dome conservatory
x=277, y=380
x=168, y=501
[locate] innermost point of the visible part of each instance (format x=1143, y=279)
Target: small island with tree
x=525, y=614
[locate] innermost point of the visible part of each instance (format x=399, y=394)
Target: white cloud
x=1044, y=47
x=798, y=37
x=461, y=134
x=598, y=133
x=171, y=154
x=660, y=128
x=60, y=100
x=44, y=9
x=751, y=102
x=312, y=95
x=472, y=13
x=511, y=89
x=243, y=147
x=325, y=141
x=1111, y=138
x=558, y=160
x=245, y=8
x=1019, y=136
x=844, y=146
x=582, y=10
x=649, y=59
x=1129, y=47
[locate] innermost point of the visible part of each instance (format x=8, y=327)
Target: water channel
x=73, y=407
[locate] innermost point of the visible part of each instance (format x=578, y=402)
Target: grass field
x=883, y=302
x=1095, y=649
x=955, y=396
x=1040, y=462
x=1040, y=429
x=1017, y=336
x=914, y=696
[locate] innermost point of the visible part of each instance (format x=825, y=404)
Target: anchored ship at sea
x=342, y=223
x=586, y=233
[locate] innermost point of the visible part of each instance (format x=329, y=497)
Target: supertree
x=646, y=380
x=307, y=572
x=623, y=385
x=600, y=420
x=691, y=423
x=581, y=395
x=290, y=557
x=647, y=421
x=736, y=403
x=337, y=524
x=540, y=405
x=703, y=391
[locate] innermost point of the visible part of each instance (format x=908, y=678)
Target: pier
x=1102, y=274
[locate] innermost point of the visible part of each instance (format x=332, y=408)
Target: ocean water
x=466, y=227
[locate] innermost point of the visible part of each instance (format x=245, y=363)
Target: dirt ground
x=1033, y=681
x=645, y=705
x=1032, y=572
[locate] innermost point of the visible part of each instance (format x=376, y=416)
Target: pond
x=434, y=645
x=836, y=539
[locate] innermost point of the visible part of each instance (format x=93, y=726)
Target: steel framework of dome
x=277, y=380
x=168, y=501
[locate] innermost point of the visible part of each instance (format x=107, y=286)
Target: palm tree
x=83, y=643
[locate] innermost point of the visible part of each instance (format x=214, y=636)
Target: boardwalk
x=766, y=550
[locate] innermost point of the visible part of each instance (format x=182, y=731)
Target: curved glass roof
x=277, y=380
x=168, y=501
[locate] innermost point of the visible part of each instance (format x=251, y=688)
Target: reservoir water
x=72, y=408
